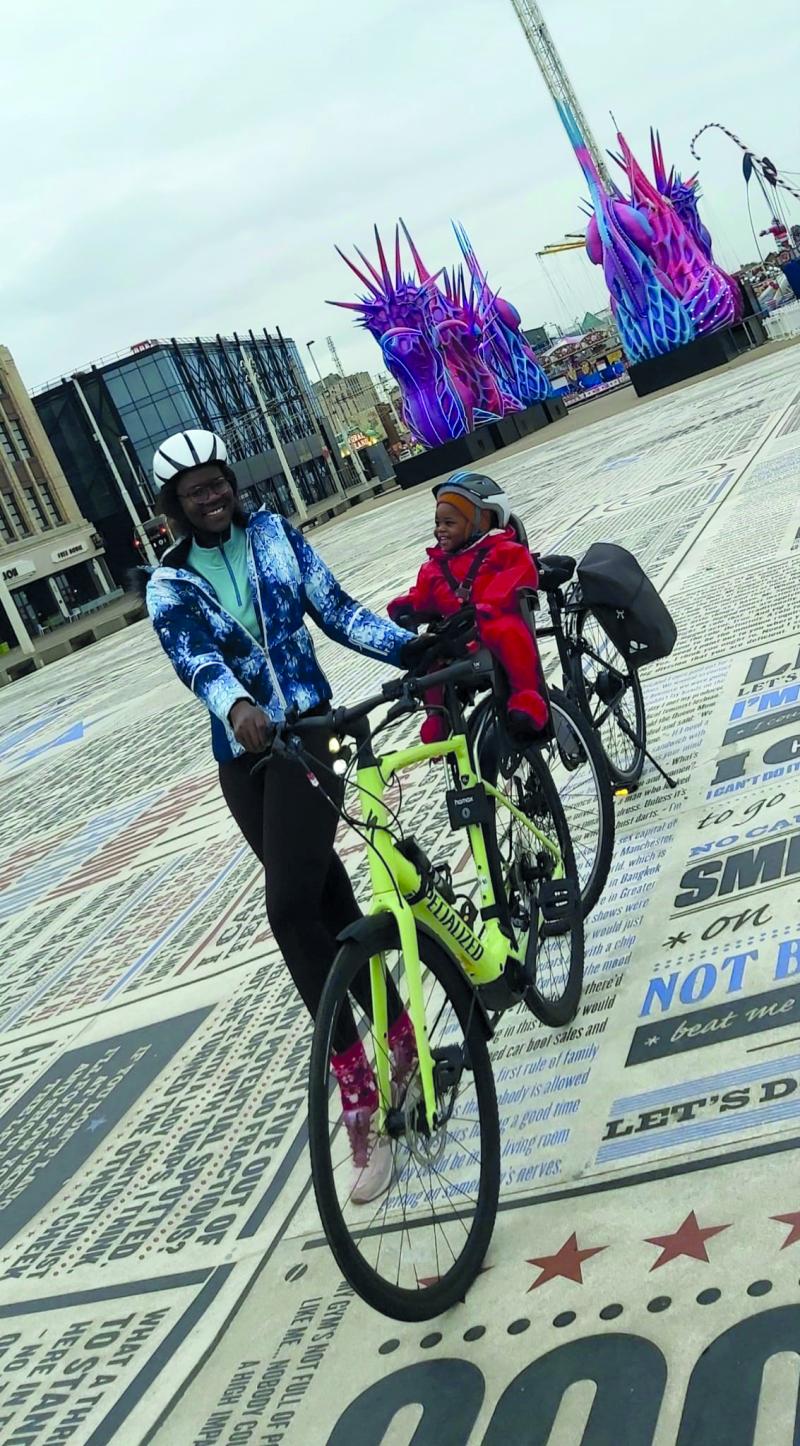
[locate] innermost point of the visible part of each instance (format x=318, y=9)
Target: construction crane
x=555, y=76
x=337, y=365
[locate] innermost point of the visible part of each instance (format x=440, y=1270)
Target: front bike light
x=339, y=766
x=334, y=746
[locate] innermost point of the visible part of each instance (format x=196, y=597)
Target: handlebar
x=474, y=671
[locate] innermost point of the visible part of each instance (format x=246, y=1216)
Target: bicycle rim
x=555, y=950
x=413, y=1252
x=602, y=666
x=578, y=768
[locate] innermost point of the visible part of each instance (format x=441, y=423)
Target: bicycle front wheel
x=415, y=1251
x=611, y=696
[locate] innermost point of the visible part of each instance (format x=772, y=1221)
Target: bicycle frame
x=558, y=607
x=570, y=651
x=398, y=889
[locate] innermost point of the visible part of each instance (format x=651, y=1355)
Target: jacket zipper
x=273, y=675
x=231, y=574
x=270, y=666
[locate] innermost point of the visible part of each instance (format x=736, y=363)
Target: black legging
x=291, y=827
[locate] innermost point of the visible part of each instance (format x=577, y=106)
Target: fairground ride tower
x=555, y=76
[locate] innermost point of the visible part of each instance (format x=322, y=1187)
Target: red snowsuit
x=493, y=570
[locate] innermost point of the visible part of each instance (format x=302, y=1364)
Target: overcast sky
x=182, y=166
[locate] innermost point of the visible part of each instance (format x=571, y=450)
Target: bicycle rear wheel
x=610, y=694
x=414, y=1252
x=555, y=951
x=578, y=767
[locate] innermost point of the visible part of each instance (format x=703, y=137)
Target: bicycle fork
x=459, y=940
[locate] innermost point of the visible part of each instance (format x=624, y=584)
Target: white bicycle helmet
x=482, y=491
x=185, y=450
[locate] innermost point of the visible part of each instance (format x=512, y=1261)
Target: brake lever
x=262, y=763
x=401, y=709
x=278, y=745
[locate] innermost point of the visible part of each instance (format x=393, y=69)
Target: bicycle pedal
x=557, y=900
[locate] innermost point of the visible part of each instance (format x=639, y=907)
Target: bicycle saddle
x=554, y=571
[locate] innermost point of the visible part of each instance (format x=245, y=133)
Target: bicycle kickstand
x=625, y=727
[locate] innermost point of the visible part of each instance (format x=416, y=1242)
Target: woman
x=228, y=603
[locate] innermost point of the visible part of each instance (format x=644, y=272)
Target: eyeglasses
x=206, y=490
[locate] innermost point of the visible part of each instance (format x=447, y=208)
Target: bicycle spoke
x=601, y=660
x=416, y=1232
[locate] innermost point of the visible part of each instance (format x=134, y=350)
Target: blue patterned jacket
x=218, y=659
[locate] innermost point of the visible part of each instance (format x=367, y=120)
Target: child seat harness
x=463, y=589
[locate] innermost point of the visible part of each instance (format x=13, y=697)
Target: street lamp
x=263, y=406
x=309, y=345
x=137, y=471
x=97, y=436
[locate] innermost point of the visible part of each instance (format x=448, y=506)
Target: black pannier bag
x=621, y=596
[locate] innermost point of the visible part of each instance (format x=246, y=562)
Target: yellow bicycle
x=459, y=960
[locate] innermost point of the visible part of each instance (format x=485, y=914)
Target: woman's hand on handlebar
x=251, y=727
x=419, y=649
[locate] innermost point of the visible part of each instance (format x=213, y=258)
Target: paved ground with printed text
x=162, y=1272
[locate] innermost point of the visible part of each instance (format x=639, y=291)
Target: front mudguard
x=378, y=932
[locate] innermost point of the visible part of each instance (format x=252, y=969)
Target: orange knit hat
x=462, y=504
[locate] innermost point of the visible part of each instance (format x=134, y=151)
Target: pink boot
x=403, y=1048
x=372, y=1153
x=435, y=729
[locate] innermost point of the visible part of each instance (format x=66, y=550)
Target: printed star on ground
x=567, y=1262
x=689, y=1239
x=793, y=1220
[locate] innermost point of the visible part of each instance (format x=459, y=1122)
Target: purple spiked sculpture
x=711, y=297
x=454, y=346
x=656, y=255
x=650, y=318
x=684, y=196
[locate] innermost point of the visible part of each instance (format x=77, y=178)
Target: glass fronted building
x=105, y=422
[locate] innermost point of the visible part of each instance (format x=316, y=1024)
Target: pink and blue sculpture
x=454, y=346
x=712, y=298
x=657, y=259
x=684, y=196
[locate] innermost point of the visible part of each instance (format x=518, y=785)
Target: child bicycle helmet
x=481, y=491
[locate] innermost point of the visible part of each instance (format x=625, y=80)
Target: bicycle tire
x=593, y=874
x=593, y=859
x=444, y=1290
x=624, y=757
x=562, y=1009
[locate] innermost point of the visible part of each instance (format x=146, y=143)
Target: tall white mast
x=555, y=76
